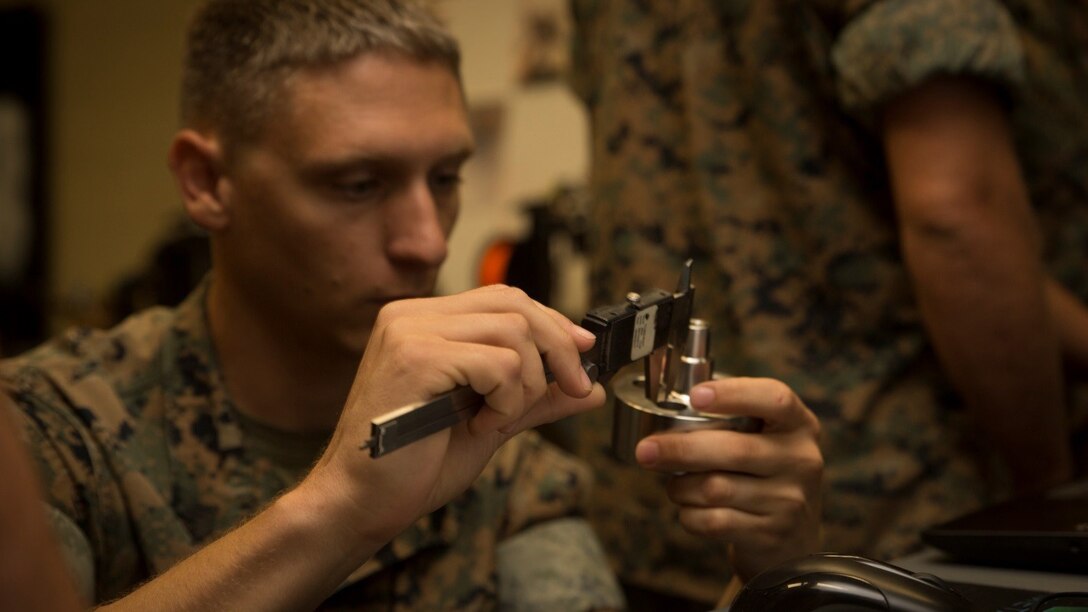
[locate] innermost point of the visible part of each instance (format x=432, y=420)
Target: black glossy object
x=841, y=583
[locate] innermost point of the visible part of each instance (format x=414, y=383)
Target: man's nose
x=416, y=232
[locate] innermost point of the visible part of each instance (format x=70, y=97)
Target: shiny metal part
x=635, y=415
x=695, y=364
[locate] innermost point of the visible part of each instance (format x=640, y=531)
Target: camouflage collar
x=189, y=354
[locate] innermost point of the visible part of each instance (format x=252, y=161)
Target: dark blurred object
x=533, y=261
x=1045, y=532
x=543, y=56
x=830, y=581
x=530, y=267
x=176, y=267
x=23, y=264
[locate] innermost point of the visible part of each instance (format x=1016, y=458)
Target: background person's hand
x=758, y=491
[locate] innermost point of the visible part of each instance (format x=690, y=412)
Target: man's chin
x=354, y=342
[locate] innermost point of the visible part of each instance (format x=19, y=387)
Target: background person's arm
x=970, y=243
x=1070, y=317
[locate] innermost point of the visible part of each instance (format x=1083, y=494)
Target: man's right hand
x=491, y=339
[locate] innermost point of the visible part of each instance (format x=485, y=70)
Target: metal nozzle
x=636, y=416
x=695, y=364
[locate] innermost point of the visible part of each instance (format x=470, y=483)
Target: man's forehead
x=377, y=106
x=373, y=74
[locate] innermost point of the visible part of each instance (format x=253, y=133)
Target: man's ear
x=197, y=163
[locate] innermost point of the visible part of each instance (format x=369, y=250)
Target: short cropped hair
x=240, y=52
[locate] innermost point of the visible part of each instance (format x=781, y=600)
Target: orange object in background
x=495, y=262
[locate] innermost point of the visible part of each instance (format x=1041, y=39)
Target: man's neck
x=271, y=377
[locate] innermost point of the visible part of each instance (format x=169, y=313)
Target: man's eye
x=359, y=189
x=445, y=181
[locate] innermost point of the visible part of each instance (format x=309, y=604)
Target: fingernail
x=647, y=452
x=702, y=397
x=585, y=333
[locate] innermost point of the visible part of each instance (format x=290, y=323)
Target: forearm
x=291, y=556
x=969, y=240
x=1070, y=317
x=981, y=296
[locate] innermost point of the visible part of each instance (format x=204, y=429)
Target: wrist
x=322, y=507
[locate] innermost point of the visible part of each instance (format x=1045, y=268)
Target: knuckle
x=783, y=395
x=807, y=459
x=716, y=489
x=795, y=502
x=493, y=288
x=533, y=392
x=519, y=325
x=814, y=424
x=716, y=522
x=534, y=388
x=512, y=293
x=404, y=355
x=394, y=310
x=517, y=294
x=812, y=463
x=387, y=314
x=775, y=531
x=508, y=364
x=694, y=521
x=394, y=323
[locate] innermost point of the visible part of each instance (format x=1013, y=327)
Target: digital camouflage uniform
x=742, y=134
x=144, y=459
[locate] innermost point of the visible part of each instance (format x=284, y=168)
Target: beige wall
x=115, y=66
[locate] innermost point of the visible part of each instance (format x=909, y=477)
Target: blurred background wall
x=111, y=83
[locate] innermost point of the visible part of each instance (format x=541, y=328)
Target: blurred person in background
x=886, y=204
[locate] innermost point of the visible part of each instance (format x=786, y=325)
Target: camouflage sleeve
x=73, y=480
x=894, y=45
x=76, y=550
x=61, y=498
x=547, y=483
x=558, y=565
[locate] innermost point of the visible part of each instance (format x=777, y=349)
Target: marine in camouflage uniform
x=742, y=134
x=145, y=459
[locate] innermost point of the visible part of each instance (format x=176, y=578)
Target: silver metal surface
x=634, y=417
x=639, y=411
x=695, y=365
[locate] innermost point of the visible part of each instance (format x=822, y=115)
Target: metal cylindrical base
x=634, y=416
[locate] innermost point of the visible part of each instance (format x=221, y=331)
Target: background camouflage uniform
x=741, y=133
x=144, y=459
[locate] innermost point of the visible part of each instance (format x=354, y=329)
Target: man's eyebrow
x=459, y=156
x=342, y=165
